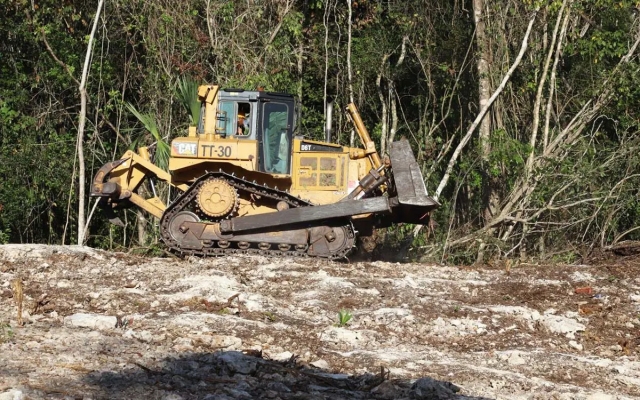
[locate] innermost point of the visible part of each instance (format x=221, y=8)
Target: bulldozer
x=244, y=181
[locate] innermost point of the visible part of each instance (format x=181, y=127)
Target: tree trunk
x=392, y=93
x=489, y=195
x=383, y=103
x=484, y=82
x=142, y=228
x=325, y=22
x=541, y=85
x=300, y=79
x=484, y=92
x=349, y=69
x=81, y=123
x=394, y=112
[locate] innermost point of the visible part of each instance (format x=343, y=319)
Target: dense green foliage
x=413, y=75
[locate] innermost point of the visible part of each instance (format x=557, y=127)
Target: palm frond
x=162, y=149
x=187, y=92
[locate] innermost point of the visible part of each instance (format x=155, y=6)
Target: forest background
x=524, y=114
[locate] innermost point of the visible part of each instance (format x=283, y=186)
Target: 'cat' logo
x=185, y=149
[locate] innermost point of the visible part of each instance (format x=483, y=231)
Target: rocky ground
x=110, y=325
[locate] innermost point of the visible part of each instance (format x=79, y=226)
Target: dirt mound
x=110, y=325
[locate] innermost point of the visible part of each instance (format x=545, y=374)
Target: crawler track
x=188, y=199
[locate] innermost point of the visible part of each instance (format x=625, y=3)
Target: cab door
x=275, y=135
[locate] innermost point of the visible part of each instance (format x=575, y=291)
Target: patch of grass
x=565, y=257
x=344, y=317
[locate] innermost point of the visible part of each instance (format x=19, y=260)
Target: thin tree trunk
x=384, y=120
x=552, y=83
x=212, y=39
x=300, y=79
x=66, y=222
x=484, y=81
x=490, y=198
x=393, y=98
x=83, y=117
x=325, y=21
x=394, y=112
x=538, y=101
x=349, y=69
x=142, y=228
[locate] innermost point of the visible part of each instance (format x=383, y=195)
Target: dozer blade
x=414, y=201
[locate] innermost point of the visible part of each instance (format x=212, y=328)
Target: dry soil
x=111, y=325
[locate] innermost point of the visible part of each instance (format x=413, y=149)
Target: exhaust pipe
x=329, y=123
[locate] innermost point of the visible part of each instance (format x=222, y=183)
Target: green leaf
x=162, y=151
x=188, y=94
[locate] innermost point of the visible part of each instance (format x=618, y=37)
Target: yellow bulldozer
x=243, y=181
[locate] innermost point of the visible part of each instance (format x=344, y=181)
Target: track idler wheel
x=176, y=227
x=327, y=241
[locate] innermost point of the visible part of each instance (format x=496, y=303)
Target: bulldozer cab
x=264, y=117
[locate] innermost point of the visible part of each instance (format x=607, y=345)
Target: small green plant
x=270, y=316
x=6, y=332
x=155, y=250
x=344, y=317
x=4, y=235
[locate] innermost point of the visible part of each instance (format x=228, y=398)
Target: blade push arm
x=124, y=177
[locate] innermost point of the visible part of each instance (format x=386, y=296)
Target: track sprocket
x=217, y=198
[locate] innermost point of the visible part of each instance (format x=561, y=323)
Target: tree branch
x=70, y=73
x=60, y=62
x=279, y=25
x=474, y=125
x=541, y=84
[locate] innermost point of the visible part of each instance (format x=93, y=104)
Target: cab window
x=234, y=119
x=226, y=124
x=276, y=142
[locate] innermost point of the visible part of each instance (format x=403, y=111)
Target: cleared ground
x=110, y=325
